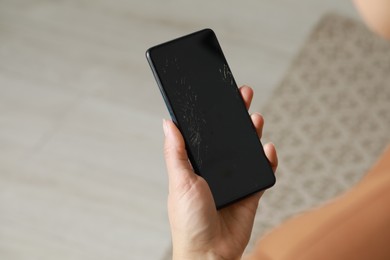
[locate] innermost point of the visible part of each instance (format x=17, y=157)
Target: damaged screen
x=205, y=103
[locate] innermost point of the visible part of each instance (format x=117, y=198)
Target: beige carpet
x=329, y=118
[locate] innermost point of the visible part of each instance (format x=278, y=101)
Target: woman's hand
x=198, y=230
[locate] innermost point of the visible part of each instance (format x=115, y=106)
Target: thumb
x=176, y=159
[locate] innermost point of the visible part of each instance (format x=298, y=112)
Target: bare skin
x=198, y=230
x=376, y=13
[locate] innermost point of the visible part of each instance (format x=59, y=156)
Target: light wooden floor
x=81, y=168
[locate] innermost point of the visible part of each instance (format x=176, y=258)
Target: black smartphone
x=207, y=107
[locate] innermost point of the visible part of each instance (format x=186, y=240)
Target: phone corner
x=272, y=181
x=209, y=30
x=148, y=53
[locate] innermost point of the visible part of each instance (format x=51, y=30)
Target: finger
x=251, y=202
x=258, y=122
x=270, y=152
x=176, y=158
x=254, y=198
x=247, y=95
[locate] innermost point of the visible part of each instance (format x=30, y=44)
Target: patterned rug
x=329, y=118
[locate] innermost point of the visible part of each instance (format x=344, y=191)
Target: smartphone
x=204, y=102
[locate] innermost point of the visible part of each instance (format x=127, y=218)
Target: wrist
x=208, y=255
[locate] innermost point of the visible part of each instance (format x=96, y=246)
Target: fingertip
x=246, y=87
x=258, y=122
x=247, y=95
x=171, y=130
x=165, y=127
x=270, y=152
x=174, y=148
x=258, y=118
x=173, y=137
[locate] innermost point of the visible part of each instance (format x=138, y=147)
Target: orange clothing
x=355, y=225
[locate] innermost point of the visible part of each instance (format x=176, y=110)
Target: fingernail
x=165, y=127
x=257, y=113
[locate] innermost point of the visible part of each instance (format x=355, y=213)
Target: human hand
x=198, y=230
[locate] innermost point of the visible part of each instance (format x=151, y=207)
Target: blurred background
x=82, y=174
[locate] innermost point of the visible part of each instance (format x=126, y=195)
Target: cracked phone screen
x=205, y=103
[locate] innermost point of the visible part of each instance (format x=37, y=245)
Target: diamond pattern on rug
x=329, y=118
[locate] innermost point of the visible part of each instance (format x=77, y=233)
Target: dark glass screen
x=204, y=101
